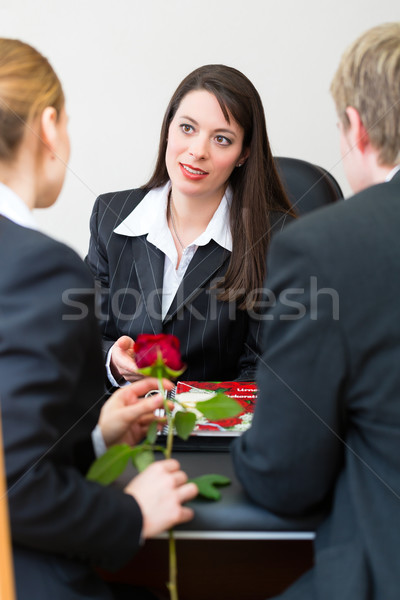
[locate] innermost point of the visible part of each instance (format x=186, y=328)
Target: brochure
x=214, y=435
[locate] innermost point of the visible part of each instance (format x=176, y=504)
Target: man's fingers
x=187, y=514
x=147, y=384
x=148, y=418
x=142, y=410
x=169, y=464
x=187, y=492
x=136, y=393
x=180, y=478
x=130, y=397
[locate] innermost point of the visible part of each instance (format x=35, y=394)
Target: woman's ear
x=243, y=157
x=48, y=128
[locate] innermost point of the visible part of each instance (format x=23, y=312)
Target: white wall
x=120, y=61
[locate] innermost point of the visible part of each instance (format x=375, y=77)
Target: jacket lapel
x=149, y=266
x=205, y=263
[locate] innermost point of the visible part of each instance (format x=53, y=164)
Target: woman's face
x=203, y=148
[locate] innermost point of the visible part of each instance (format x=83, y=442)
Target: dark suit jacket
x=218, y=341
x=51, y=390
x=326, y=430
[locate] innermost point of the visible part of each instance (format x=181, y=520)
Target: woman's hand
x=122, y=363
x=126, y=416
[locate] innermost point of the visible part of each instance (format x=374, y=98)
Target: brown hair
x=256, y=186
x=368, y=79
x=28, y=84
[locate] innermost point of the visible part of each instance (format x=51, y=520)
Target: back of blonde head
x=28, y=84
x=368, y=79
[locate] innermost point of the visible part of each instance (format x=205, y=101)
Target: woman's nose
x=199, y=148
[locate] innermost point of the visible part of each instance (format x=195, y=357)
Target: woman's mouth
x=191, y=172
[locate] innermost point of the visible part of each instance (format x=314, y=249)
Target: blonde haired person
x=51, y=371
x=368, y=66
x=325, y=437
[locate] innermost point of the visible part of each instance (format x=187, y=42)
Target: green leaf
x=108, y=467
x=184, y=423
x=219, y=407
x=206, y=485
x=142, y=458
x=152, y=433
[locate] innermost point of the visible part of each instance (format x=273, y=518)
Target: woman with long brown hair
x=186, y=253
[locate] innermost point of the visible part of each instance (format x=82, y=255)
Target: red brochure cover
x=245, y=393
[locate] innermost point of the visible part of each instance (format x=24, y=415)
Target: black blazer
x=51, y=390
x=218, y=341
x=326, y=430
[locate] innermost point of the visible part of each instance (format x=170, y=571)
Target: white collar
x=392, y=173
x=150, y=217
x=12, y=207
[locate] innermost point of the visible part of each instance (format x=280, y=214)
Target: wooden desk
x=232, y=549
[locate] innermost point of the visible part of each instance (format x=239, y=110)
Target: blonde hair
x=368, y=79
x=28, y=84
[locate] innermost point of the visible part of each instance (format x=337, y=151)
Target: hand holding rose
x=126, y=416
x=160, y=491
x=131, y=360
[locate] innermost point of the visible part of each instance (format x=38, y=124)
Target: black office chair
x=307, y=185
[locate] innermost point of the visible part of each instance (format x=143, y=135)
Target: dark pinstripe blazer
x=218, y=341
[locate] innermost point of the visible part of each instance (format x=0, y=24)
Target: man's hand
x=126, y=416
x=160, y=490
x=122, y=363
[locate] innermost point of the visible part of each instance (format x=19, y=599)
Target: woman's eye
x=222, y=140
x=186, y=128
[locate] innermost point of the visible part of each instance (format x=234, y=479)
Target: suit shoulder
x=32, y=252
x=111, y=208
x=66, y=257
x=340, y=223
x=120, y=202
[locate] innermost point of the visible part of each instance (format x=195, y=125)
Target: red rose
x=158, y=350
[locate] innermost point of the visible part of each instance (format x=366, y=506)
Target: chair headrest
x=307, y=185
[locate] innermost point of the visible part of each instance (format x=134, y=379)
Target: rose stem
x=173, y=591
x=172, y=567
x=170, y=435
